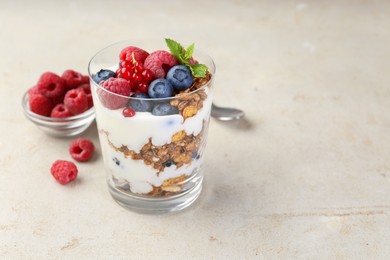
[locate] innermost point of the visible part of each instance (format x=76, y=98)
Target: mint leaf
x=176, y=49
x=189, y=52
x=184, y=57
x=198, y=70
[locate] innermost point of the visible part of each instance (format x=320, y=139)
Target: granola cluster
x=181, y=150
x=189, y=105
x=169, y=187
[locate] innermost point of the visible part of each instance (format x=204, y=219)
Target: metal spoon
x=226, y=113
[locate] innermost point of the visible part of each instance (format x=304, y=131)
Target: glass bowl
x=59, y=127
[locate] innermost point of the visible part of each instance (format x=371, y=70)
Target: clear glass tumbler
x=153, y=163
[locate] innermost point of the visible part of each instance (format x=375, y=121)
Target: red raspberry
x=73, y=79
x=81, y=149
x=58, y=100
x=33, y=91
x=117, y=85
x=40, y=104
x=76, y=101
x=159, y=62
x=60, y=111
x=64, y=171
x=139, y=54
x=51, y=85
x=87, y=89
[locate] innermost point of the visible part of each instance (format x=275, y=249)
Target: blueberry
x=172, y=122
x=168, y=163
x=140, y=105
x=195, y=155
x=160, y=88
x=164, y=110
x=180, y=77
x=103, y=75
x=116, y=160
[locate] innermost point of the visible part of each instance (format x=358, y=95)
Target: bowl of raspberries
x=60, y=105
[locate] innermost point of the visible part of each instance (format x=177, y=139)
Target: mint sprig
x=184, y=56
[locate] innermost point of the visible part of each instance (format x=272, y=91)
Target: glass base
x=153, y=205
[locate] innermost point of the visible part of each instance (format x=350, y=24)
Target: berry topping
x=147, y=75
x=160, y=88
x=129, y=52
x=103, y=75
x=76, y=101
x=60, y=111
x=125, y=72
x=142, y=104
x=126, y=63
x=135, y=72
x=128, y=112
x=164, y=110
x=158, y=75
x=159, y=62
x=81, y=149
x=51, y=85
x=180, y=77
x=137, y=78
x=40, y=104
x=116, y=85
x=142, y=88
x=73, y=79
x=64, y=171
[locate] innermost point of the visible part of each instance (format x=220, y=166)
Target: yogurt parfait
x=152, y=110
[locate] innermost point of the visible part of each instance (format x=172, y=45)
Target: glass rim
x=181, y=95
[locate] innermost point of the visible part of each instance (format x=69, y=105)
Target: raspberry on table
x=76, y=101
x=51, y=85
x=73, y=79
x=60, y=111
x=159, y=62
x=64, y=171
x=116, y=85
x=81, y=149
x=40, y=104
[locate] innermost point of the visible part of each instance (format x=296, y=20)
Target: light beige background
x=306, y=175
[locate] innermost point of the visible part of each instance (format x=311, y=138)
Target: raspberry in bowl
x=153, y=104
x=60, y=105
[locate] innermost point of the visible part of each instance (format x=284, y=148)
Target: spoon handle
x=226, y=113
